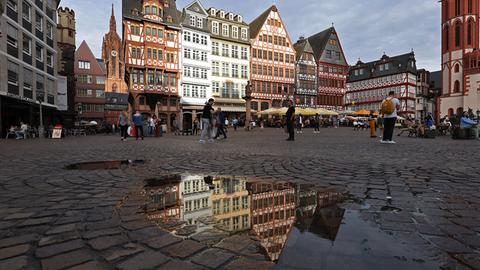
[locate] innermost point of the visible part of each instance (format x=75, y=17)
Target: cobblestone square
x=423, y=193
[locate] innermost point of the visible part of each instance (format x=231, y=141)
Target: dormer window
x=240, y=19
x=230, y=17
x=222, y=14
x=213, y=12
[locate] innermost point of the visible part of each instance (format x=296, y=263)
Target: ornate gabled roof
x=256, y=25
x=396, y=64
x=302, y=45
x=133, y=9
x=319, y=40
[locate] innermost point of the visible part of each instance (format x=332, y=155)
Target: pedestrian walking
x=151, y=126
x=380, y=124
x=156, y=124
x=196, y=123
x=138, y=123
x=207, y=121
x=290, y=120
x=317, y=123
x=389, y=108
x=123, y=123
x=299, y=124
x=235, y=124
x=220, y=124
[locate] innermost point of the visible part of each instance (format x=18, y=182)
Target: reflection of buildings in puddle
x=163, y=198
x=317, y=212
x=273, y=214
x=230, y=202
x=196, y=203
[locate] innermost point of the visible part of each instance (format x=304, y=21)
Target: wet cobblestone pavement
x=422, y=196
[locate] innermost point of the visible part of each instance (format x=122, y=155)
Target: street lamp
x=41, y=130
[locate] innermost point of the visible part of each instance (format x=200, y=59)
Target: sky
x=366, y=28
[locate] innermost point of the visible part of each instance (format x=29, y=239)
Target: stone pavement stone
x=92, y=265
x=212, y=258
x=243, y=263
x=162, y=241
x=105, y=242
x=48, y=251
x=14, y=251
x=66, y=260
x=16, y=263
x=184, y=249
x=177, y=265
x=20, y=239
x=145, y=260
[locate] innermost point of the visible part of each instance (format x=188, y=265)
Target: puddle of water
x=104, y=165
x=298, y=226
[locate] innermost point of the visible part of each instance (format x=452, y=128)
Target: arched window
x=457, y=7
x=469, y=33
x=457, y=34
x=457, y=68
x=456, y=87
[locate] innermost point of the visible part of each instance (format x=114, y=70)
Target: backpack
x=388, y=107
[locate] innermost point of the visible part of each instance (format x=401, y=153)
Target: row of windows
x=329, y=54
x=274, y=22
x=375, y=93
x=228, y=205
x=274, y=88
x=195, y=38
x=152, y=54
x=27, y=13
x=277, y=215
x=193, y=186
x=29, y=83
x=13, y=40
x=196, y=91
x=90, y=93
x=331, y=83
x=88, y=79
x=273, y=201
x=228, y=89
x=274, y=39
x=307, y=85
x=371, y=82
x=152, y=10
x=92, y=108
x=83, y=65
x=195, y=54
x=196, y=21
x=458, y=35
x=235, y=71
x=194, y=72
x=152, y=32
x=333, y=70
x=275, y=56
x=153, y=77
x=227, y=30
x=194, y=205
x=273, y=71
x=226, y=52
x=236, y=223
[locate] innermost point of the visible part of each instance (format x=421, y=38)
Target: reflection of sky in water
x=299, y=226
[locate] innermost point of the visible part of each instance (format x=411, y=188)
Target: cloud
x=366, y=28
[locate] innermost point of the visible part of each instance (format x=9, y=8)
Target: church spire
x=113, y=23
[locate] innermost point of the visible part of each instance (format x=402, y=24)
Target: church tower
x=116, y=91
x=66, y=32
x=460, y=41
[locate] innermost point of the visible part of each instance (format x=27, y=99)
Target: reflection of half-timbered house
x=369, y=83
x=305, y=75
x=332, y=68
x=162, y=198
x=272, y=64
x=151, y=33
x=273, y=214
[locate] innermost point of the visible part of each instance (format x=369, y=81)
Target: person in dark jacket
x=220, y=124
x=290, y=121
x=138, y=122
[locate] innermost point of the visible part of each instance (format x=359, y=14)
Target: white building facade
x=230, y=61
x=195, y=62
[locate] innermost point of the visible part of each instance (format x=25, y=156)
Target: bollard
x=373, y=130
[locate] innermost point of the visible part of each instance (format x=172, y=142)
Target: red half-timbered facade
x=272, y=64
x=151, y=34
x=460, y=45
x=332, y=69
x=369, y=83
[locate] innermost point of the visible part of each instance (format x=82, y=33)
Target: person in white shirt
x=389, y=117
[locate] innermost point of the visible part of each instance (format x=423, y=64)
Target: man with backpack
x=389, y=109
